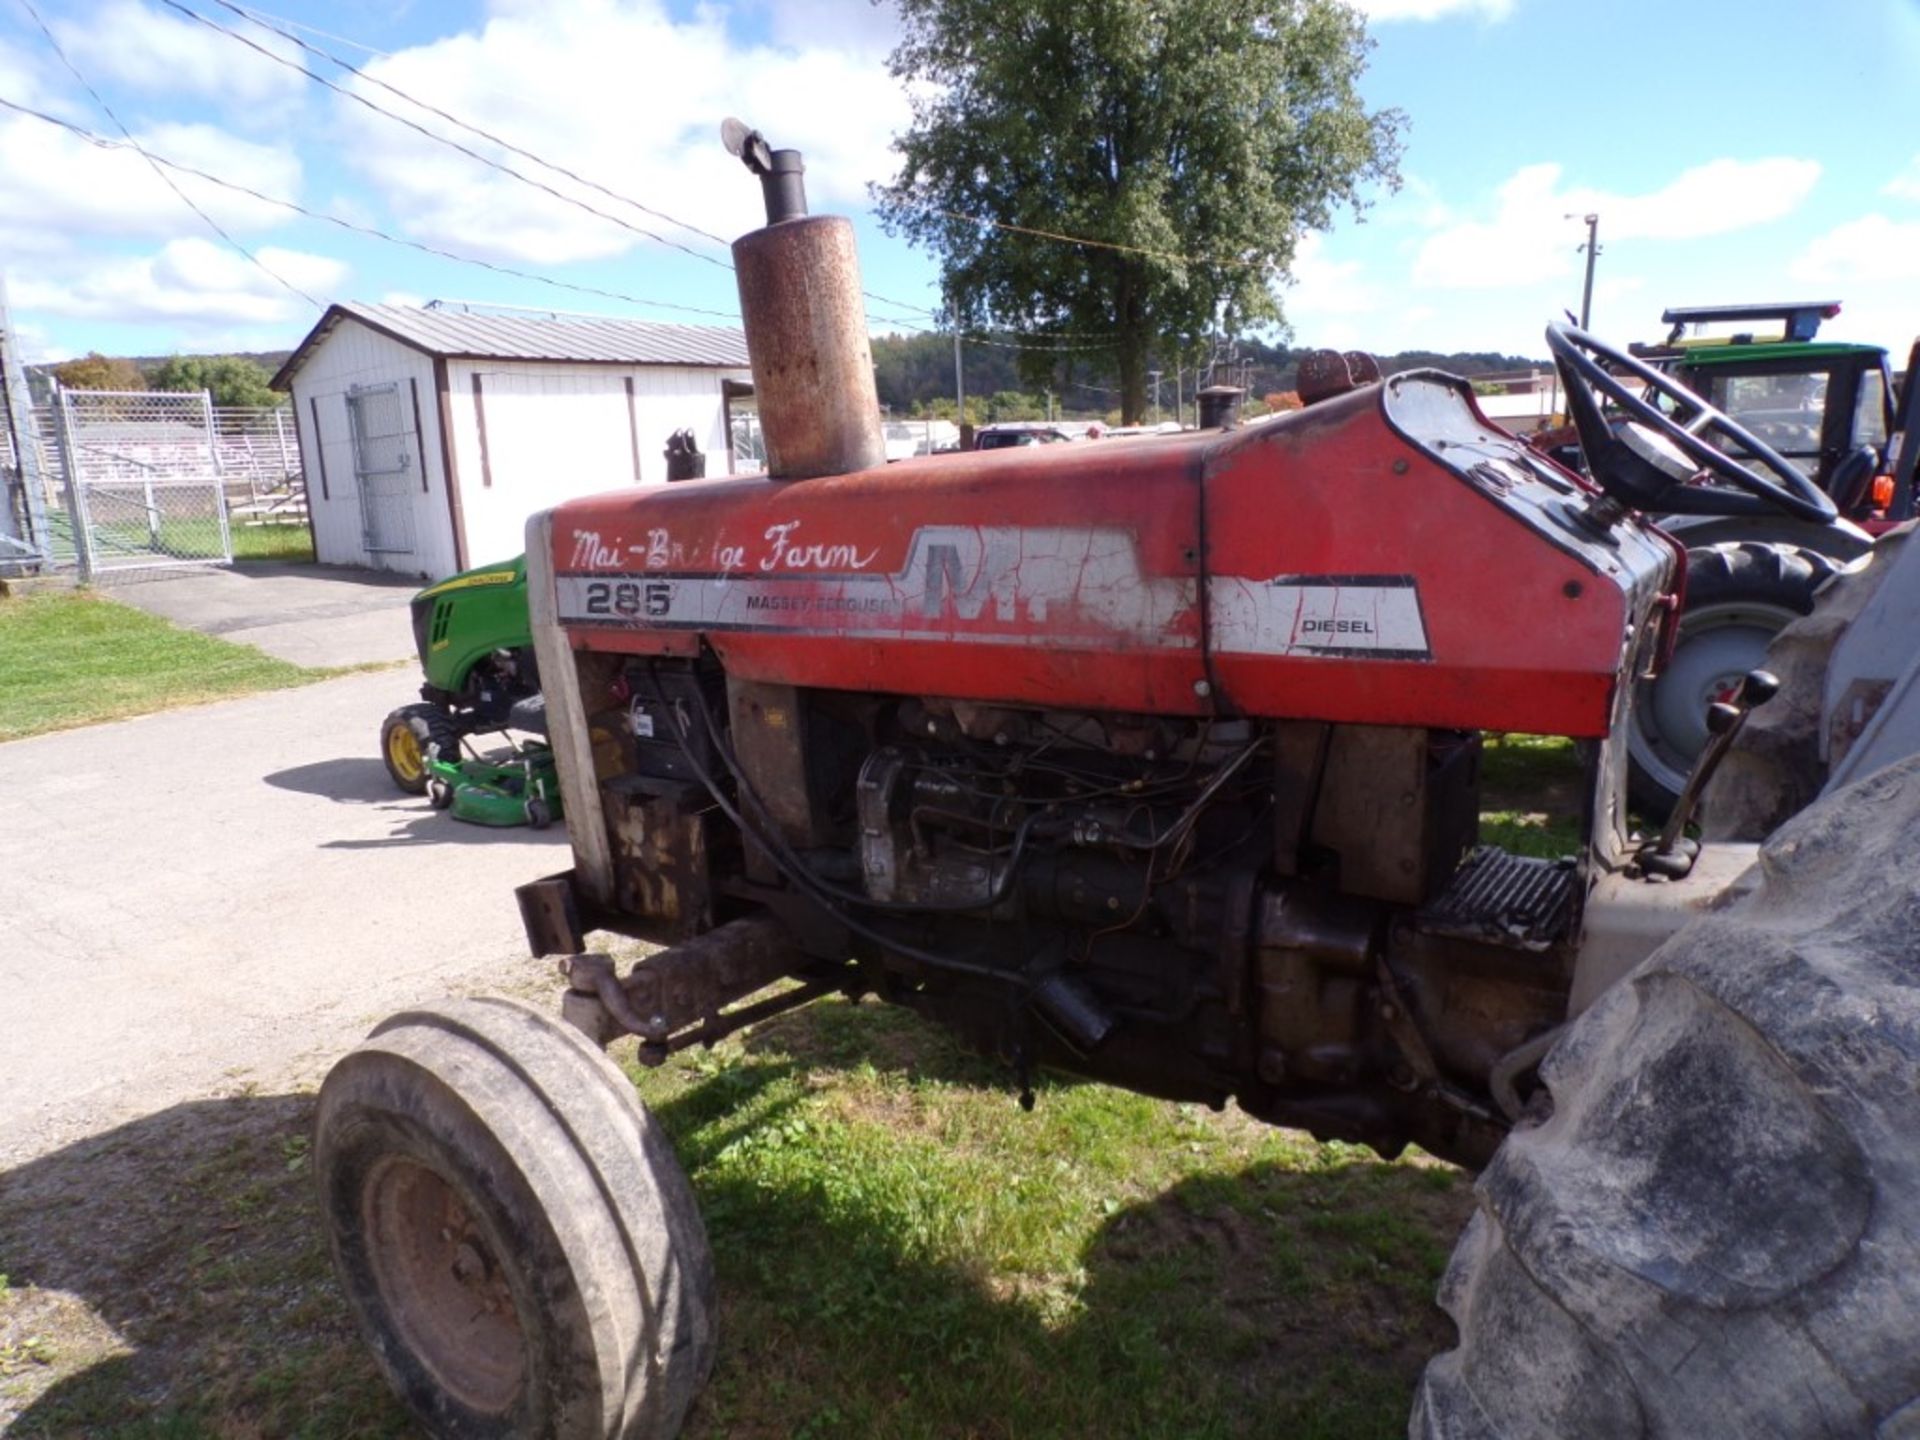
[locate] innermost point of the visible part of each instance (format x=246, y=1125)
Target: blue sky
x=1733, y=151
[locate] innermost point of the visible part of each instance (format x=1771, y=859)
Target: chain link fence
x=142, y=477
x=145, y=480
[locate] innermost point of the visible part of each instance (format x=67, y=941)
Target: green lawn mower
x=476, y=650
x=521, y=789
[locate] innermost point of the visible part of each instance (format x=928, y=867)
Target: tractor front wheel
x=1710, y=1224
x=514, y=1235
x=408, y=736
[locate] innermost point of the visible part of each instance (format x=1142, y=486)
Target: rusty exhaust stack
x=806, y=325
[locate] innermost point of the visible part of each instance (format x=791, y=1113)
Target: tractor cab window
x=1870, y=410
x=1786, y=411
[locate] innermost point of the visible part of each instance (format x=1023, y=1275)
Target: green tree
x=94, y=371
x=1203, y=137
x=230, y=379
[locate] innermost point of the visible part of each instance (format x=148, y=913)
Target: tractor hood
x=1388, y=556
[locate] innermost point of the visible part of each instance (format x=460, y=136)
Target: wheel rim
x=1718, y=645
x=444, y=1288
x=404, y=753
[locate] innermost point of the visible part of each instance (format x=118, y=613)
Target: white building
x=429, y=435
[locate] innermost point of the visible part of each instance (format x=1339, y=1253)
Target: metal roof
x=580, y=339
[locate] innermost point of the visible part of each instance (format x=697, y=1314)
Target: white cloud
x=624, y=94
x=198, y=283
x=1531, y=238
x=1872, y=250
x=126, y=43
x=1327, y=297
x=861, y=25
x=36, y=345
x=20, y=77
x=55, y=188
x=1905, y=185
x=1382, y=12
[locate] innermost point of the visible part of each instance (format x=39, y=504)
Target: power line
x=450, y=143
x=268, y=20
x=484, y=134
x=103, y=143
x=1055, y=349
x=1232, y=260
x=470, y=128
x=165, y=178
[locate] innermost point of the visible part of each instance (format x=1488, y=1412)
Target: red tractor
x=1160, y=763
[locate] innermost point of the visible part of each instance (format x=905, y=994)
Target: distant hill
x=268, y=360
x=913, y=371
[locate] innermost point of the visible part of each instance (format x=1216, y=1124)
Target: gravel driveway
x=199, y=901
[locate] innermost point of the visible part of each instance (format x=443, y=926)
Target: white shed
x=429, y=435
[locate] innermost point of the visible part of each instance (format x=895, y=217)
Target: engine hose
x=1502, y=1080
x=772, y=838
x=822, y=893
x=1191, y=814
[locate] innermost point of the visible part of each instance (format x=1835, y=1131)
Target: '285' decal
x=652, y=598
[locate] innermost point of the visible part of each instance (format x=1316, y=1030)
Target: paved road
x=200, y=899
x=315, y=615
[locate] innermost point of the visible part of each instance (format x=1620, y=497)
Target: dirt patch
x=1304, y=1272
x=174, y=1268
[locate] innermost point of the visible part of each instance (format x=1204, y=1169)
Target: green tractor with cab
x=476, y=651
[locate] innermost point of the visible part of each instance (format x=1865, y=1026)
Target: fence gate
x=141, y=479
x=384, y=467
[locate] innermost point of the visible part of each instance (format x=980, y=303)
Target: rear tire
x=1739, y=596
x=408, y=736
x=1716, y=1231
x=1778, y=762
x=517, y=1242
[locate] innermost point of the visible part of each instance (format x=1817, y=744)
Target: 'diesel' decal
x=1371, y=617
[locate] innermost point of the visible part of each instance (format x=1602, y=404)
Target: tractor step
x=1505, y=899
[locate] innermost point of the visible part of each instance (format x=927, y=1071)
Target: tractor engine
x=1156, y=759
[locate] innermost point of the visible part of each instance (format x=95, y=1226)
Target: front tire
x=409, y=736
x=517, y=1242
x=1739, y=596
x=1716, y=1230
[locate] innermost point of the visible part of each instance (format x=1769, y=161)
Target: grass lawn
x=293, y=542
x=902, y=1252
x=1531, y=795
x=72, y=658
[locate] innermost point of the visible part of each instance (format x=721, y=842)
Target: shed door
x=386, y=462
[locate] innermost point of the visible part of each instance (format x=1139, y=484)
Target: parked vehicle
x=476, y=652
x=1008, y=434
x=1159, y=763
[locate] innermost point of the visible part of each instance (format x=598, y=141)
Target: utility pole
x=25, y=541
x=1592, y=249
x=959, y=377
x=1155, y=376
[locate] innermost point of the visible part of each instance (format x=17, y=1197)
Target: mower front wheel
x=515, y=1238
x=408, y=736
